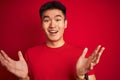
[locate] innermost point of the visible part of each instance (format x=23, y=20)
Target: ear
x=65, y=23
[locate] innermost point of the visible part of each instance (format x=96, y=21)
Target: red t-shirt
x=47, y=63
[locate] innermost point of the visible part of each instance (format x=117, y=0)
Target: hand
x=18, y=68
x=84, y=65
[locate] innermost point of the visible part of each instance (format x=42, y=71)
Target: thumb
x=20, y=55
x=84, y=52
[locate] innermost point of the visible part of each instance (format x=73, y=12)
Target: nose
x=52, y=24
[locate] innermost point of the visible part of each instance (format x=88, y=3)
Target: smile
x=53, y=31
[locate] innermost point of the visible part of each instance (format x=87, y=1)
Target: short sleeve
x=91, y=72
x=28, y=63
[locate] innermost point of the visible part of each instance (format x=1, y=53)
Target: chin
x=54, y=39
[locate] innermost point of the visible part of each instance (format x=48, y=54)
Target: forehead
x=51, y=13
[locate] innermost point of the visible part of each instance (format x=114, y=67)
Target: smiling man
x=56, y=59
x=54, y=23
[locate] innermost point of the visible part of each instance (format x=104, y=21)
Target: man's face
x=54, y=23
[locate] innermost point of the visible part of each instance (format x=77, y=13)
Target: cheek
x=62, y=30
x=44, y=26
x=62, y=25
x=44, y=30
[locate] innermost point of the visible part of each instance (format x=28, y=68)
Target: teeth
x=53, y=31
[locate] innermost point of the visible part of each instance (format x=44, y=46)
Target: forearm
x=26, y=78
x=81, y=77
x=86, y=77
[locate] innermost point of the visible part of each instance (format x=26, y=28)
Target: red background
x=90, y=22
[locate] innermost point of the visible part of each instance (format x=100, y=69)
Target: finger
x=3, y=61
x=92, y=66
x=1, y=57
x=100, y=53
x=6, y=56
x=20, y=55
x=93, y=56
x=97, y=49
x=84, y=52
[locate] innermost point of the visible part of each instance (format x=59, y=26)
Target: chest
x=50, y=64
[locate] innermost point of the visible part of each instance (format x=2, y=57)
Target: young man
x=56, y=59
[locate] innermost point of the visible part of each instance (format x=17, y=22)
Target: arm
x=26, y=78
x=84, y=65
x=82, y=77
x=91, y=77
x=18, y=68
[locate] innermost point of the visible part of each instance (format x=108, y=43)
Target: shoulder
x=75, y=47
x=75, y=50
x=35, y=49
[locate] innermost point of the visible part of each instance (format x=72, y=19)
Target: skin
x=18, y=68
x=54, y=24
x=54, y=20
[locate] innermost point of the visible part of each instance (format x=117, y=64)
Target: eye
x=58, y=20
x=46, y=20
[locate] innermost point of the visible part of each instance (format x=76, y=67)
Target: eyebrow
x=58, y=16
x=45, y=17
x=48, y=16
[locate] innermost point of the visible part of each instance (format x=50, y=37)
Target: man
x=56, y=59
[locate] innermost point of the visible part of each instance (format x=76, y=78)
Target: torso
x=53, y=63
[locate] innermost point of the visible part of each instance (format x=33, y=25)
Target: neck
x=55, y=44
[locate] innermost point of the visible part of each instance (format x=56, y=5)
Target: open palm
x=18, y=68
x=84, y=65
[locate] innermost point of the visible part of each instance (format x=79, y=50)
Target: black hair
x=52, y=5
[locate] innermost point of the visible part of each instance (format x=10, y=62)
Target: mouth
x=53, y=32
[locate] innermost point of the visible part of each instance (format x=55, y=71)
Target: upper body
x=56, y=59
x=47, y=63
